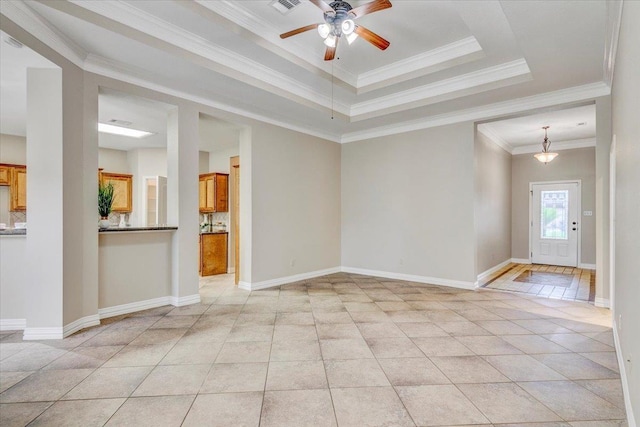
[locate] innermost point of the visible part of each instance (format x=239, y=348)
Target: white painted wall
x=295, y=192
x=579, y=163
x=124, y=275
x=219, y=160
x=144, y=162
x=408, y=204
x=114, y=161
x=13, y=150
x=203, y=161
x=493, y=204
x=13, y=277
x=626, y=128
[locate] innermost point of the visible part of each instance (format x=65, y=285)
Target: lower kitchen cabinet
x=213, y=253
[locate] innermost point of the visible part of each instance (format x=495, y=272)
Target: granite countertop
x=13, y=232
x=125, y=229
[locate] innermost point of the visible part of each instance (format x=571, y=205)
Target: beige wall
x=13, y=277
x=295, y=192
x=408, y=202
x=493, y=204
x=570, y=164
x=626, y=128
x=114, y=161
x=203, y=161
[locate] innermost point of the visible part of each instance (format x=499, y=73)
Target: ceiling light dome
x=324, y=30
x=348, y=26
x=545, y=156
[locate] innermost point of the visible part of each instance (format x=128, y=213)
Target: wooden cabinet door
x=211, y=194
x=202, y=193
x=122, y=190
x=5, y=175
x=18, y=189
x=213, y=254
x=222, y=193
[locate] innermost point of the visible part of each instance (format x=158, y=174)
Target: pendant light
x=545, y=156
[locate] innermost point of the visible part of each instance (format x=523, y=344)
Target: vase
x=104, y=222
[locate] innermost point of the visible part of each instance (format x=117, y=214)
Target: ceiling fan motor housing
x=336, y=19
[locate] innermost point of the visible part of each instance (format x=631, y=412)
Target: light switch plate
x=587, y=213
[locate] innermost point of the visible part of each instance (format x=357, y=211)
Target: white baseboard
x=117, y=310
x=602, y=302
x=43, y=333
x=494, y=269
x=623, y=377
x=412, y=278
x=587, y=266
x=13, y=324
x=520, y=260
x=231, y=270
x=188, y=300
x=83, y=322
x=288, y=279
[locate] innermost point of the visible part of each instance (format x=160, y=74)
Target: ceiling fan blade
x=371, y=7
x=372, y=37
x=322, y=5
x=330, y=53
x=298, y=31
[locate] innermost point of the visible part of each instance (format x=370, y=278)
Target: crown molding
x=556, y=146
x=233, y=65
x=248, y=21
x=125, y=73
x=559, y=97
x=432, y=92
x=25, y=17
x=437, y=59
x=614, y=18
x=495, y=138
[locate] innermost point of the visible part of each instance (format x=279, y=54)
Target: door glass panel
x=554, y=212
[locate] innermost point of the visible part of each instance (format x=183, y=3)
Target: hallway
x=343, y=349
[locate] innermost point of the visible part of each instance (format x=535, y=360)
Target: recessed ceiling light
x=13, y=42
x=119, y=130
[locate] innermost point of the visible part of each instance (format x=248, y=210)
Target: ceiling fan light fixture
x=352, y=37
x=324, y=30
x=330, y=41
x=348, y=26
x=545, y=156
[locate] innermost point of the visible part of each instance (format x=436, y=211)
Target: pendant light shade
x=545, y=156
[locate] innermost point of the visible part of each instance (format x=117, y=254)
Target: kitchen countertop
x=213, y=232
x=13, y=232
x=129, y=229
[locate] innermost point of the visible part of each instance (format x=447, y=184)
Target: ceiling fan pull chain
x=332, y=85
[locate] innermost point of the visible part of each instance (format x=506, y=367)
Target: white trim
x=288, y=279
x=437, y=59
x=521, y=260
x=412, y=278
x=495, y=138
x=430, y=93
x=494, y=269
x=614, y=18
x=623, y=376
x=187, y=300
x=557, y=146
x=125, y=73
x=488, y=111
x=586, y=266
x=43, y=333
x=33, y=23
x=602, y=302
x=83, y=322
x=13, y=324
x=132, y=307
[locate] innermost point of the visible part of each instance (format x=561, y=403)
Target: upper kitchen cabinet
x=5, y=174
x=214, y=192
x=122, y=190
x=18, y=188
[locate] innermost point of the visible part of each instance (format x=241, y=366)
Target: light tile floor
x=343, y=350
x=581, y=282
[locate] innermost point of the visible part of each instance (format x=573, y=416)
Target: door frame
x=579, y=207
x=612, y=224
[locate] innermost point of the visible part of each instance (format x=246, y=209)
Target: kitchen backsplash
x=17, y=217
x=216, y=217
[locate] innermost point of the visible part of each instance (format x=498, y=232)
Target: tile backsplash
x=216, y=217
x=17, y=217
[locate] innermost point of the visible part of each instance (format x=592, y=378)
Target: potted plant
x=105, y=201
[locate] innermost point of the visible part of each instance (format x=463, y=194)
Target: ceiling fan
x=339, y=19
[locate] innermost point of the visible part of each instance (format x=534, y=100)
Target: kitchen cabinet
x=18, y=188
x=5, y=174
x=122, y=190
x=214, y=192
x=213, y=253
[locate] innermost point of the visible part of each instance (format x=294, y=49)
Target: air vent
x=120, y=122
x=285, y=6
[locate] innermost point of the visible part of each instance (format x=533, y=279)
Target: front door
x=554, y=224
